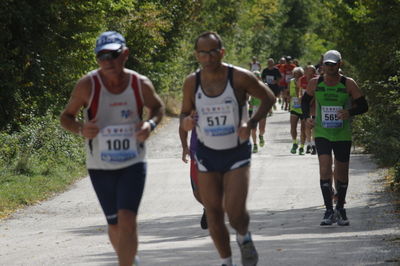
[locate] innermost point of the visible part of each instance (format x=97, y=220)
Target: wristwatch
x=152, y=124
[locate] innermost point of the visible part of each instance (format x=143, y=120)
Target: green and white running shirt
x=329, y=100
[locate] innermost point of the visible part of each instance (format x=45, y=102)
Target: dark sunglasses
x=213, y=52
x=330, y=64
x=109, y=55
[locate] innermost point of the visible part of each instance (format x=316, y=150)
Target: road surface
x=285, y=205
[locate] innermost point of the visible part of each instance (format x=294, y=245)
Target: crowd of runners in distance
x=288, y=80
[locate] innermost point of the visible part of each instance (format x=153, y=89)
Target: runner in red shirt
x=288, y=75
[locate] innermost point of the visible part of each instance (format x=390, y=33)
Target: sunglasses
x=109, y=55
x=330, y=64
x=213, y=52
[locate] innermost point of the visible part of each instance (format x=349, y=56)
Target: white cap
x=332, y=56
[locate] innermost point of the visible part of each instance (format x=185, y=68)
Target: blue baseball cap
x=109, y=40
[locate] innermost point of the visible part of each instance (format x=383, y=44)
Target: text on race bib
x=330, y=118
x=296, y=102
x=117, y=143
x=217, y=120
x=269, y=79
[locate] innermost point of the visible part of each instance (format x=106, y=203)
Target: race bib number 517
x=217, y=120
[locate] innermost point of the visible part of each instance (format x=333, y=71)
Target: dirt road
x=285, y=205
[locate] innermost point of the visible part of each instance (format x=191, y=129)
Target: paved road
x=285, y=204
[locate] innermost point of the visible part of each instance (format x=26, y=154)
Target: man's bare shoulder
x=190, y=80
x=84, y=84
x=314, y=80
x=242, y=71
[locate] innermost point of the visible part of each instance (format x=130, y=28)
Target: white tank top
x=117, y=116
x=255, y=66
x=219, y=116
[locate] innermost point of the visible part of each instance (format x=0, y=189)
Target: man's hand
x=185, y=154
x=244, y=131
x=144, y=131
x=310, y=122
x=189, y=122
x=343, y=114
x=90, y=129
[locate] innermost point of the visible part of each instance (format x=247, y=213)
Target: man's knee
x=127, y=221
x=238, y=218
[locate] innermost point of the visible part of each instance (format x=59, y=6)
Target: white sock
x=241, y=238
x=313, y=143
x=227, y=261
x=136, y=261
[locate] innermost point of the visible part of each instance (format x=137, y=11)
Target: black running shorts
x=341, y=149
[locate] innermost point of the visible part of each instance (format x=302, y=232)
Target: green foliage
x=37, y=161
x=48, y=45
x=377, y=131
x=39, y=147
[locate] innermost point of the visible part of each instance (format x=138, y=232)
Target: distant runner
x=296, y=114
x=191, y=151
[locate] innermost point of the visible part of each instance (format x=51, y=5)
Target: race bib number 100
x=329, y=117
x=217, y=120
x=117, y=143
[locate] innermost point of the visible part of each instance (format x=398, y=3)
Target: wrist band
x=152, y=124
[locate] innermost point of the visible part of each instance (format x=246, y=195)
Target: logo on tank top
x=126, y=113
x=229, y=100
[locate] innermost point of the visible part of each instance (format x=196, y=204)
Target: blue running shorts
x=209, y=160
x=119, y=189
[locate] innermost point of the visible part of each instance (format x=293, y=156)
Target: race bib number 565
x=117, y=143
x=330, y=118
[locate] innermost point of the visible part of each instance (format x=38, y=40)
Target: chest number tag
x=329, y=117
x=296, y=102
x=270, y=79
x=117, y=143
x=217, y=120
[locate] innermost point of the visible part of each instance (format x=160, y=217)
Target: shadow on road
x=283, y=237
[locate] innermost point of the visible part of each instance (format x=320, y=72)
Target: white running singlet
x=117, y=116
x=219, y=116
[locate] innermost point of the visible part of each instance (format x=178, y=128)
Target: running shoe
x=255, y=148
x=313, y=150
x=329, y=217
x=249, y=253
x=294, y=148
x=342, y=217
x=301, y=151
x=308, y=149
x=203, y=221
x=262, y=142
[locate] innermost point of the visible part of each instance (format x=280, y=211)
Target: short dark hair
x=208, y=34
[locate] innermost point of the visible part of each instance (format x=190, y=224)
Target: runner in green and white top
x=254, y=103
x=296, y=114
x=337, y=99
